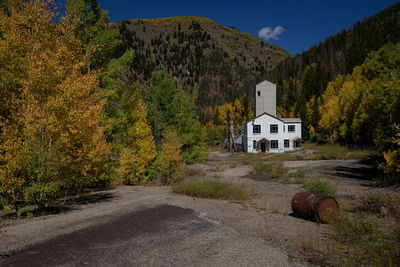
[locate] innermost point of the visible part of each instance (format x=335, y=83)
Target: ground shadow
x=366, y=169
x=63, y=205
x=260, y=177
x=87, y=199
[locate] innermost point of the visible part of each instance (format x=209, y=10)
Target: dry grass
x=195, y=172
x=312, y=152
x=367, y=235
x=324, y=152
x=212, y=189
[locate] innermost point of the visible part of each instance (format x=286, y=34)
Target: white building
x=266, y=132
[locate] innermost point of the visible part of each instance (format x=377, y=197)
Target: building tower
x=265, y=99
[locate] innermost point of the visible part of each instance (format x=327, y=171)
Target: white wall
x=265, y=121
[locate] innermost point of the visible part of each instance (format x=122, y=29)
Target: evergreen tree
x=98, y=38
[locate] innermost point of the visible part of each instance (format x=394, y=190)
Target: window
x=286, y=142
x=291, y=128
x=274, y=143
x=284, y=128
x=273, y=128
x=259, y=93
x=256, y=129
x=254, y=144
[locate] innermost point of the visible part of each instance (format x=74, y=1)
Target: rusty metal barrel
x=314, y=206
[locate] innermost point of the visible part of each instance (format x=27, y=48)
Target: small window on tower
x=259, y=93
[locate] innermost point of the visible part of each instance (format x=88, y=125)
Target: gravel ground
x=149, y=225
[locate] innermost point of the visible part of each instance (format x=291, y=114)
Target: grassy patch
x=310, y=182
x=383, y=204
x=232, y=165
x=194, y=172
x=212, y=189
x=220, y=167
x=274, y=169
x=361, y=242
x=253, y=158
x=319, y=186
x=323, y=152
x=289, y=156
x=361, y=238
x=312, y=152
x=300, y=176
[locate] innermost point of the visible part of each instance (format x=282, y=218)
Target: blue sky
x=292, y=25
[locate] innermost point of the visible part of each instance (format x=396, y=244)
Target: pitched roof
x=265, y=113
x=284, y=120
x=266, y=82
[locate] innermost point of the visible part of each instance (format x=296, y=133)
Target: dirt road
x=152, y=226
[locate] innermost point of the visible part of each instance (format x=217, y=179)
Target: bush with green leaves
x=320, y=186
x=41, y=194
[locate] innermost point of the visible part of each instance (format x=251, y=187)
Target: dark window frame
x=272, y=144
x=275, y=127
x=291, y=128
x=286, y=143
x=255, y=127
x=254, y=144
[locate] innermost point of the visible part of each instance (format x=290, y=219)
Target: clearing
x=150, y=225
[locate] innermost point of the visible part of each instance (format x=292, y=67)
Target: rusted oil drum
x=314, y=206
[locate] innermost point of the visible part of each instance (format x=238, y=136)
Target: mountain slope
x=212, y=63
x=304, y=76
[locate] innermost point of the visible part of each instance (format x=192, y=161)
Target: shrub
x=300, y=176
x=274, y=169
x=25, y=212
x=169, y=163
x=320, y=186
x=41, y=194
x=212, y=189
x=391, y=166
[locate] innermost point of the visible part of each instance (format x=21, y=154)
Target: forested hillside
x=72, y=117
x=212, y=63
x=301, y=80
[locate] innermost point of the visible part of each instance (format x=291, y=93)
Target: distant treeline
x=306, y=75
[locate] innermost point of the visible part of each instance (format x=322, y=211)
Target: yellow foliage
x=391, y=166
x=169, y=163
x=330, y=111
x=57, y=110
x=140, y=148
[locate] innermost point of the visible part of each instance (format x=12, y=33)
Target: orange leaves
x=57, y=120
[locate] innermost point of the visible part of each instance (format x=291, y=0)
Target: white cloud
x=267, y=33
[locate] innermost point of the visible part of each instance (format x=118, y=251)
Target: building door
x=263, y=147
